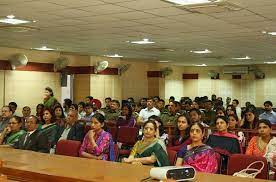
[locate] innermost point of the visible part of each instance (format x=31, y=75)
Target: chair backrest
x=172, y=157
x=116, y=151
x=127, y=135
x=238, y=162
x=113, y=132
x=68, y=147
x=218, y=157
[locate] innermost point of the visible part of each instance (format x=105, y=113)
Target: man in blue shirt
x=269, y=114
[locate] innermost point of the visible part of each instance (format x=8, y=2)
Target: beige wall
x=26, y=88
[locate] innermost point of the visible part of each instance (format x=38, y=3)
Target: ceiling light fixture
x=12, y=20
x=144, y=41
x=44, y=48
x=270, y=62
x=243, y=58
x=200, y=65
x=206, y=51
x=191, y=2
x=114, y=56
x=165, y=61
x=271, y=33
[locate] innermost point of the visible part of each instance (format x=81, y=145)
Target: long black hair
x=186, y=135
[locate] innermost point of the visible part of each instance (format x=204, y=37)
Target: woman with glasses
x=12, y=132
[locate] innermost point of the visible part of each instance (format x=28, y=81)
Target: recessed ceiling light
x=242, y=58
x=200, y=65
x=206, y=51
x=10, y=16
x=191, y=2
x=270, y=62
x=114, y=56
x=44, y=48
x=144, y=41
x=271, y=33
x=11, y=20
x=165, y=61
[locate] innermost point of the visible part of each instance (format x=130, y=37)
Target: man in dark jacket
x=72, y=129
x=33, y=139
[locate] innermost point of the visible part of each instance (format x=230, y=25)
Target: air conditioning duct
x=235, y=70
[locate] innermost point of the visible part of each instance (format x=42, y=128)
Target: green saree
x=13, y=137
x=155, y=147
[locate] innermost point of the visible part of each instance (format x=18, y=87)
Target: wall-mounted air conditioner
x=235, y=70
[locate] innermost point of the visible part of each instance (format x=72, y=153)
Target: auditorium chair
x=127, y=136
x=68, y=147
x=113, y=131
x=172, y=157
x=238, y=162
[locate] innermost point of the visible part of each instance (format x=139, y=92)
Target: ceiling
x=100, y=27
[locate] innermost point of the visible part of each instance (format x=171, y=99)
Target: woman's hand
x=128, y=160
x=91, y=135
x=7, y=130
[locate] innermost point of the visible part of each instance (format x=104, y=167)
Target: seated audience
x=12, y=132
x=88, y=113
x=170, y=116
x=114, y=112
x=72, y=130
x=126, y=118
x=270, y=154
x=251, y=118
x=230, y=110
x=198, y=155
x=182, y=132
x=222, y=139
x=195, y=117
x=5, y=117
x=233, y=123
x=13, y=107
x=66, y=105
x=150, y=150
x=160, y=132
x=220, y=112
x=209, y=113
x=149, y=110
x=59, y=117
x=269, y=114
x=258, y=144
x=81, y=111
x=26, y=112
x=97, y=143
x=39, y=113
x=49, y=128
x=33, y=139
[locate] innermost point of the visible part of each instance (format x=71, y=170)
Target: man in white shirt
x=150, y=110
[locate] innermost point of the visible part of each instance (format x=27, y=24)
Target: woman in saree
x=97, y=143
x=150, y=150
x=12, y=132
x=49, y=128
x=49, y=100
x=198, y=155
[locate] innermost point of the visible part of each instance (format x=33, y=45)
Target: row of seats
x=236, y=162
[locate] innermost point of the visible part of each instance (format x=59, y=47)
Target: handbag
x=249, y=172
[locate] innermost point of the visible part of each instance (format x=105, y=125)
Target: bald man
x=72, y=130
